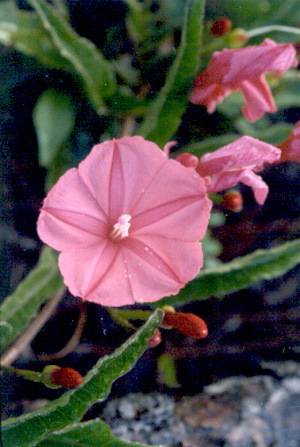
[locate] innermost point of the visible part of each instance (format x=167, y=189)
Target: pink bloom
x=127, y=223
x=243, y=69
x=235, y=163
x=290, y=148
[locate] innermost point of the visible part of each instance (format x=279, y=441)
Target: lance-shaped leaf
x=30, y=429
x=95, y=72
x=23, y=304
x=239, y=273
x=165, y=114
x=93, y=433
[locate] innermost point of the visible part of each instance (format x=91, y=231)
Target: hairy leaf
x=165, y=114
x=30, y=429
x=94, y=70
x=239, y=273
x=22, y=305
x=93, y=433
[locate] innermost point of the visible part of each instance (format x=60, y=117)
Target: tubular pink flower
x=290, y=148
x=243, y=69
x=235, y=163
x=127, y=223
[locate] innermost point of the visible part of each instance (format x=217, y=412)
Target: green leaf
x=29, y=429
x=23, y=31
x=94, y=70
x=93, y=433
x=165, y=114
x=53, y=119
x=239, y=273
x=22, y=305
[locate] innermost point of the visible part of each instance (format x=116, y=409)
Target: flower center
x=120, y=228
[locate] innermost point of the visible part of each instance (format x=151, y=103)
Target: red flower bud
x=188, y=324
x=188, y=160
x=155, y=339
x=66, y=377
x=221, y=27
x=233, y=201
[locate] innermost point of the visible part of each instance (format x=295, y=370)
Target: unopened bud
x=188, y=324
x=188, y=160
x=237, y=38
x=155, y=340
x=57, y=377
x=233, y=201
x=221, y=27
x=47, y=376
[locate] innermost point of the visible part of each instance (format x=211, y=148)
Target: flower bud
x=56, y=377
x=188, y=324
x=233, y=201
x=221, y=27
x=188, y=160
x=237, y=38
x=47, y=376
x=155, y=340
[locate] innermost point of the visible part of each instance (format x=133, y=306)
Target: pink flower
x=127, y=222
x=235, y=163
x=243, y=69
x=290, y=148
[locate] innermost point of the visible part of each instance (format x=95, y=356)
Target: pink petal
x=124, y=168
x=258, y=98
x=244, y=68
x=98, y=274
x=253, y=61
x=70, y=216
x=242, y=153
x=208, y=96
x=170, y=219
x=172, y=182
x=161, y=264
x=229, y=179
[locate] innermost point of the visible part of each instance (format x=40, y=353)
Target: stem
x=74, y=340
x=267, y=29
x=25, y=338
x=25, y=373
x=128, y=126
x=142, y=315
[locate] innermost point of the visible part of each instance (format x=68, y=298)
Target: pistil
x=121, y=228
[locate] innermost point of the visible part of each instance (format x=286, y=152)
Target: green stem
x=25, y=373
x=271, y=28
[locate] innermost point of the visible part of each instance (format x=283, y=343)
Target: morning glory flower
x=127, y=223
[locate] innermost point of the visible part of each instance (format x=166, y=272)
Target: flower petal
x=170, y=219
x=258, y=98
x=124, y=168
x=252, y=61
x=229, y=179
x=229, y=70
x=159, y=267
x=71, y=217
x=98, y=274
x=241, y=154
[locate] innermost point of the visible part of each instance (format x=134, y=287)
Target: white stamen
x=121, y=228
